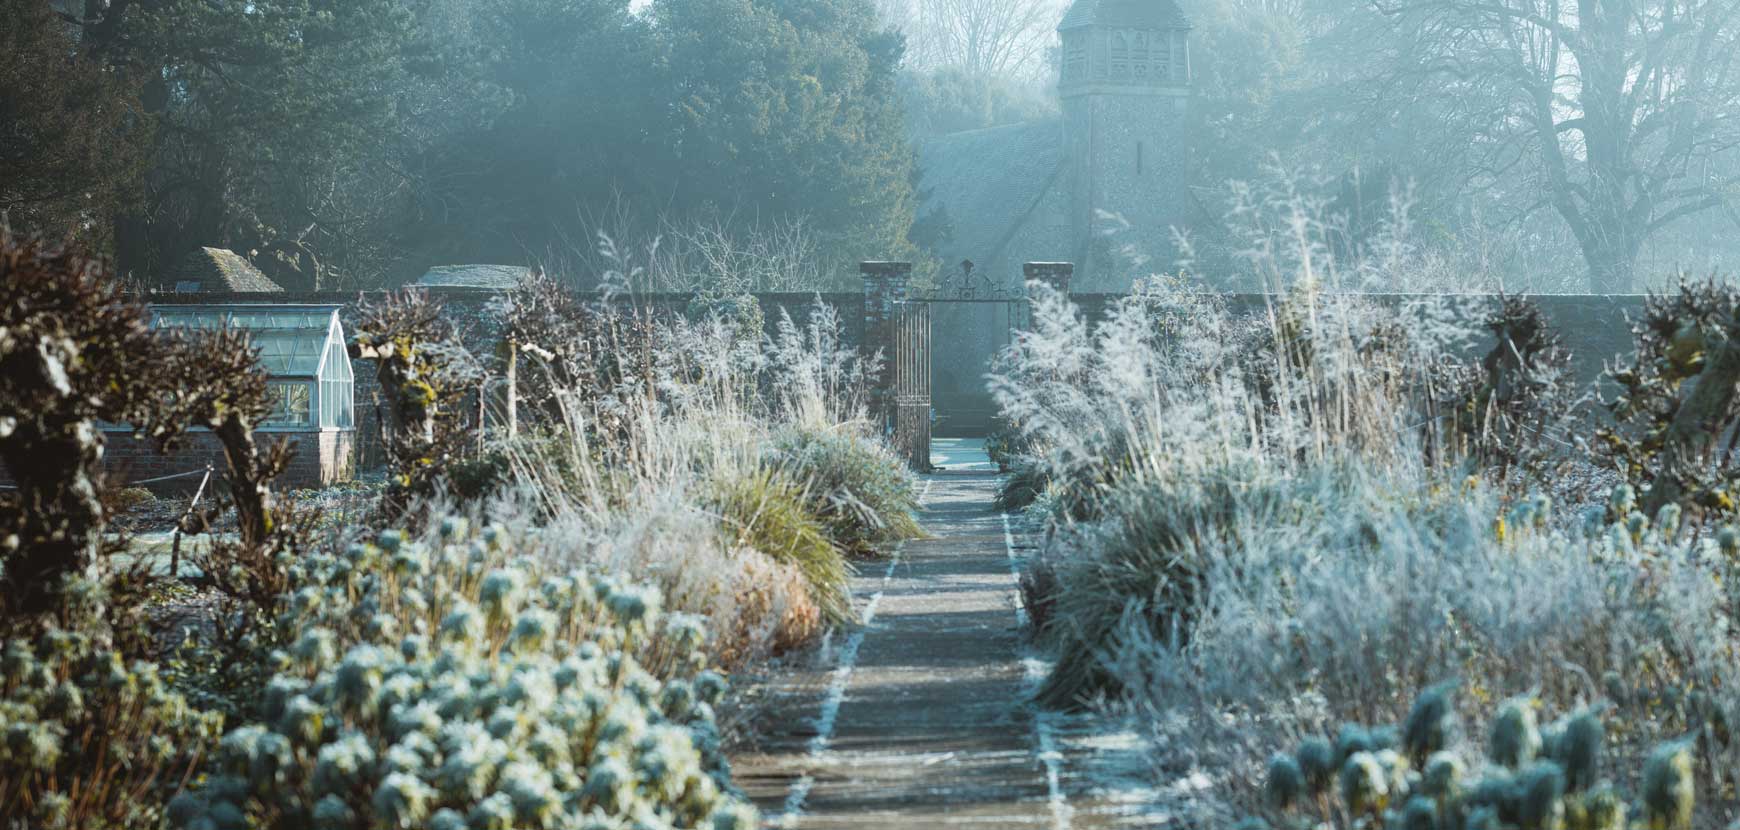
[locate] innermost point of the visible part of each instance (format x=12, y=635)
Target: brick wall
x=1596, y=328
x=327, y=457
x=321, y=459
x=470, y=311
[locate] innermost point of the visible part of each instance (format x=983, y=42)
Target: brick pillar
x=885, y=283
x=1055, y=274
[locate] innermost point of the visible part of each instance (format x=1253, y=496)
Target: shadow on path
x=922, y=718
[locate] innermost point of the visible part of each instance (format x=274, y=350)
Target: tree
x=1623, y=114
x=566, y=98
x=271, y=114
x=783, y=108
x=724, y=118
x=949, y=99
x=75, y=350
x=346, y=143
x=985, y=39
x=74, y=135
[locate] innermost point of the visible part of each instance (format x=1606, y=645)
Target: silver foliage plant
x=457, y=680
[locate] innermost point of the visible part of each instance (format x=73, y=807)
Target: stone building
x=1103, y=185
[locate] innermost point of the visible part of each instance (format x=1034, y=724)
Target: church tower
x=1125, y=85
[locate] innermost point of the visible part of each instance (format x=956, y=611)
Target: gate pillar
x=1055, y=274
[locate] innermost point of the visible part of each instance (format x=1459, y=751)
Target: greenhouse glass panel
x=337, y=392
x=290, y=404
x=297, y=346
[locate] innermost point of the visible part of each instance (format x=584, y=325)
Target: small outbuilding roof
x=475, y=277
x=216, y=270
x=292, y=339
x=1124, y=14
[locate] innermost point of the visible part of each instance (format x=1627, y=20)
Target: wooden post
x=513, y=390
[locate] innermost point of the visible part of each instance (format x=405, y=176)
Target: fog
x=738, y=414
x=1529, y=145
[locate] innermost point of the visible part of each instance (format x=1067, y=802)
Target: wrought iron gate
x=912, y=383
x=972, y=333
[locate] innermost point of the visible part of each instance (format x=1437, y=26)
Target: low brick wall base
x=321, y=459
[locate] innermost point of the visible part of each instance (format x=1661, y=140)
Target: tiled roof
x=481, y=277
x=216, y=270
x=1125, y=14
x=988, y=180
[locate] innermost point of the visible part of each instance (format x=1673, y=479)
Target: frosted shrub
x=754, y=604
x=768, y=512
x=1507, y=412
x=1341, y=607
x=424, y=373
x=1171, y=382
x=863, y=494
x=456, y=681
x=732, y=472
x=815, y=375
x=1257, y=536
x=1675, y=403
x=89, y=740
x=1558, y=791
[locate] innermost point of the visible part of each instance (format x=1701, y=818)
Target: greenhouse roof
x=292, y=339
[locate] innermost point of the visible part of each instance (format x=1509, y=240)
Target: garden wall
x=322, y=459
x=469, y=311
x=1595, y=328
x=333, y=456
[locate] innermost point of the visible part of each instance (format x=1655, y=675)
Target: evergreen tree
x=782, y=107
x=73, y=132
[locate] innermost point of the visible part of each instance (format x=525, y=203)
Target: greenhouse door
x=912, y=383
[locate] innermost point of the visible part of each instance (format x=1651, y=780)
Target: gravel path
x=920, y=716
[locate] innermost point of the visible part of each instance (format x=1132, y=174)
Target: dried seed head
x=1443, y=777
x=1420, y=813
x=1668, y=794
x=1364, y=784
x=1431, y=724
x=1578, y=749
x=1542, y=802
x=1285, y=783
x=1515, y=739
x=1350, y=740
x=1317, y=762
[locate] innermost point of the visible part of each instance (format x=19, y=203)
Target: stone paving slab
x=922, y=717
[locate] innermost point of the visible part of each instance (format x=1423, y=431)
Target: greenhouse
x=302, y=351
x=313, y=398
